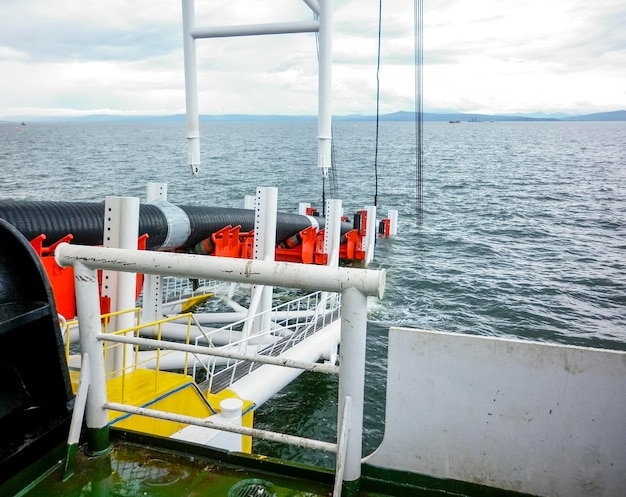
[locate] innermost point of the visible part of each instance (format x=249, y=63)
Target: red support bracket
x=226, y=242
x=299, y=247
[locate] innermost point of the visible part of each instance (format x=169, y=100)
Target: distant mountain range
x=619, y=115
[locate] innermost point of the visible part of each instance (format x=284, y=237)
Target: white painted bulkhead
x=537, y=418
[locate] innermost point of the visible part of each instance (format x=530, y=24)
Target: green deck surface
x=133, y=470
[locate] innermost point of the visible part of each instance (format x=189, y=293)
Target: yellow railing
x=70, y=328
x=153, y=329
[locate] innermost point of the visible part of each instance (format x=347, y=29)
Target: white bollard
x=231, y=414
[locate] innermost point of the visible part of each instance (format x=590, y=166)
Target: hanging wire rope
x=380, y=20
x=418, y=33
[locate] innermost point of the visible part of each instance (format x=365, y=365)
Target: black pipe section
x=85, y=220
x=205, y=220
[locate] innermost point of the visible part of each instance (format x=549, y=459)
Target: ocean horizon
x=618, y=115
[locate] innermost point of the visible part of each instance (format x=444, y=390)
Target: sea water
x=523, y=233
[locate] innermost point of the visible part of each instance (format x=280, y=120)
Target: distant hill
x=619, y=115
x=432, y=116
x=556, y=115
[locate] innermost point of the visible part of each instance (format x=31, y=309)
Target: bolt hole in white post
x=121, y=230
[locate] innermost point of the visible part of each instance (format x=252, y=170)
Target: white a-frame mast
x=321, y=25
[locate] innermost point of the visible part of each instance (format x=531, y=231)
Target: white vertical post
x=152, y=309
x=302, y=207
x=393, y=222
x=88, y=310
x=191, y=87
x=265, y=223
x=324, y=127
x=332, y=231
x=332, y=239
x=370, y=234
x=155, y=191
x=121, y=229
x=352, y=376
x=264, y=250
x=249, y=201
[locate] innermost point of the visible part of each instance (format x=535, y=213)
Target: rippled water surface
x=524, y=229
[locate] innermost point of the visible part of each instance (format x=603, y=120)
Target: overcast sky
x=74, y=57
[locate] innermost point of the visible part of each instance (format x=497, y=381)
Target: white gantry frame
x=321, y=25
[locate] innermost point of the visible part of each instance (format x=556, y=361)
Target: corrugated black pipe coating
x=56, y=219
x=206, y=220
x=85, y=220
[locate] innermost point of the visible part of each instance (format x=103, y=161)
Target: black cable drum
x=85, y=220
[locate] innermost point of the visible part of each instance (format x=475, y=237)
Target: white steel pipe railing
x=307, y=443
x=369, y=282
x=219, y=352
x=354, y=284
